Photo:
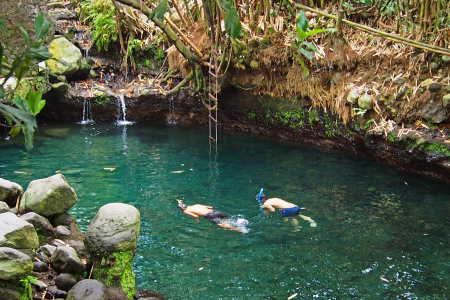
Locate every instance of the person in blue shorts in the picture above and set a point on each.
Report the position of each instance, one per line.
(287, 210)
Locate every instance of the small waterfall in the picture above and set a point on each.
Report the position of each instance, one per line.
(87, 113)
(171, 115)
(122, 111)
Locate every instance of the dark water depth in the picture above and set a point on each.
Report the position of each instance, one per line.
(381, 234)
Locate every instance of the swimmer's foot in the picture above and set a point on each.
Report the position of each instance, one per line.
(313, 224)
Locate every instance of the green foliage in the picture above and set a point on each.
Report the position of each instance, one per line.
(159, 11)
(21, 118)
(232, 23)
(313, 116)
(101, 16)
(26, 285)
(303, 47)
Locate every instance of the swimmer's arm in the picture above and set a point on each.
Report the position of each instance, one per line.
(192, 214)
(269, 207)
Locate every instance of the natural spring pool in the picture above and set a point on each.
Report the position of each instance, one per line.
(381, 234)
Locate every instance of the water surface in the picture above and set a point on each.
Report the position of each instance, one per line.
(381, 234)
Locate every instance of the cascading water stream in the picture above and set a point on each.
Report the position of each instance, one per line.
(122, 111)
(171, 117)
(87, 113)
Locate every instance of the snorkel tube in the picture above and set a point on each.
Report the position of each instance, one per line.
(259, 199)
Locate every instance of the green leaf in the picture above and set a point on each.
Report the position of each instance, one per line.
(232, 24)
(3, 28)
(25, 35)
(21, 103)
(159, 11)
(40, 53)
(227, 5)
(302, 22)
(305, 69)
(2, 92)
(301, 34)
(28, 132)
(35, 104)
(317, 31)
(310, 46)
(24, 116)
(41, 26)
(1, 58)
(308, 54)
(15, 130)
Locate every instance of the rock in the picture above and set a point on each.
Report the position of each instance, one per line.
(48, 196)
(446, 101)
(48, 250)
(66, 260)
(399, 80)
(65, 281)
(426, 83)
(10, 192)
(149, 294)
(62, 231)
(114, 228)
(4, 207)
(402, 92)
(10, 293)
(434, 87)
(352, 97)
(17, 233)
(61, 87)
(88, 289)
(14, 264)
(63, 50)
(115, 293)
(433, 112)
(446, 58)
(434, 65)
(42, 226)
(365, 102)
(39, 266)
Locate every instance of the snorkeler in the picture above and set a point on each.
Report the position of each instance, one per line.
(287, 209)
(217, 217)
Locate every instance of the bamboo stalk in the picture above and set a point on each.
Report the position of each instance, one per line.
(388, 36)
(174, 2)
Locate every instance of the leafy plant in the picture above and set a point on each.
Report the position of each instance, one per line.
(26, 285)
(303, 47)
(22, 117)
(101, 16)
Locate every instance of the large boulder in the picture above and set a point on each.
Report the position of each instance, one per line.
(43, 227)
(63, 50)
(10, 192)
(114, 228)
(48, 196)
(111, 242)
(14, 264)
(17, 233)
(88, 289)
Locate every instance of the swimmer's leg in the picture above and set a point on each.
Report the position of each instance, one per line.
(312, 223)
(294, 223)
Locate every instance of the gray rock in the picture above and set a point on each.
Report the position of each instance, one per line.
(352, 97)
(43, 227)
(10, 192)
(39, 266)
(62, 231)
(4, 207)
(433, 112)
(114, 228)
(88, 289)
(65, 281)
(14, 264)
(47, 250)
(446, 100)
(17, 233)
(434, 87)
(63, 50)
(365, 102)
(399, 80)
(48, 196)
(66, 260)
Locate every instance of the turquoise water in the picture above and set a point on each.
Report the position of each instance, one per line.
(381, 234)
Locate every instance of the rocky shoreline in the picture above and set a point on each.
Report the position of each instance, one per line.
(44, 255)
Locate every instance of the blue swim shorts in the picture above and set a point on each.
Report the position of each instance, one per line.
(290, 212)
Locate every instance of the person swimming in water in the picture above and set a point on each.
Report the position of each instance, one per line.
(215, 216)
(287, 209)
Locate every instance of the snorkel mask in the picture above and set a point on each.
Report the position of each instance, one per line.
(181, 205)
